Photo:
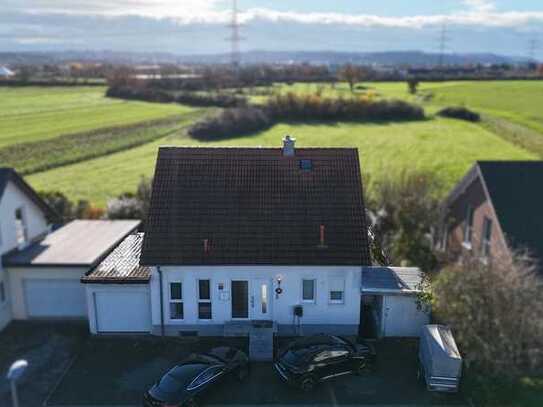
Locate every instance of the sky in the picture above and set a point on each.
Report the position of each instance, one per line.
(506, 27)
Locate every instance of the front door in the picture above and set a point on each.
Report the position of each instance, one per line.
(240, 299)
(261, 299)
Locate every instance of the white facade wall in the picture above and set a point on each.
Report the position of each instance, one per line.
(12, 199)
(5, 310)
(121, 310)
(401, 316)
(18, 275)
(319, 316)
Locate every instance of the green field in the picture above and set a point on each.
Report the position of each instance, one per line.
(512, 129)
(31, 113)
(446, 147)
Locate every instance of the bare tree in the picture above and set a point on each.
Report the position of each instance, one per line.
(495, 311)
(404, 214)
(351, 74)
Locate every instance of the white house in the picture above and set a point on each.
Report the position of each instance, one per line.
(236, 235)
(6, 73)
(23, 220)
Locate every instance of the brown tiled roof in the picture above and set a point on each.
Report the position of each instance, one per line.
(256, 206)
(122, 264)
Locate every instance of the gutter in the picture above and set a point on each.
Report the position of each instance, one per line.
(161, 301)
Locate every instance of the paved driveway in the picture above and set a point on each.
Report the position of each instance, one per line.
(48, 348)
(117, 371)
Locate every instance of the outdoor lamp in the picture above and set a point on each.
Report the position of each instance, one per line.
(15, 372)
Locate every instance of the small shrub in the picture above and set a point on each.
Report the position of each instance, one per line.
(231, 123)
(461, 113)
(125, 208)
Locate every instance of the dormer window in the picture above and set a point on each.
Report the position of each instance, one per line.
(21, 229)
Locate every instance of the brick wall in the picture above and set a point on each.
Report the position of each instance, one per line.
(474, 196)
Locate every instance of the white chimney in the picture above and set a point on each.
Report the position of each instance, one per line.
(288, 146)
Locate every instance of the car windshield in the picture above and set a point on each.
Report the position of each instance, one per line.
(208, 359)
(343, 341)
(296, 356)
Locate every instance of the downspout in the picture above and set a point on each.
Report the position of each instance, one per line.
(161, 301)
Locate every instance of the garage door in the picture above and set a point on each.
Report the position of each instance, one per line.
(402, 316)
(122, 311)
(52, 298)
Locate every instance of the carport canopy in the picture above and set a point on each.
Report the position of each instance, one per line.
(391, 280)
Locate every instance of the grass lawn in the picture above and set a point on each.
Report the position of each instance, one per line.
(445, 147)
(30, 114)
(518, 101)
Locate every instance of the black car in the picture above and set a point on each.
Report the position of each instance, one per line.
(183, 383)
(309, 360)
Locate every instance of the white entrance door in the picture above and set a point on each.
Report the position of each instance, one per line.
(261, 299)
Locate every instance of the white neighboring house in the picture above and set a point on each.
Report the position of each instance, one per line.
(6, 73)
(23, 220)
(237, 235)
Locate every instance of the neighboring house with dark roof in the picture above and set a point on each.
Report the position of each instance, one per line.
(23, 219)
(496, 208)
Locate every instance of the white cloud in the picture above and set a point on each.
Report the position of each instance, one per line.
(480, 5)
(477, 13)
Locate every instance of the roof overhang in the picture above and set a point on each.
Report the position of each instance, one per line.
(391, 280)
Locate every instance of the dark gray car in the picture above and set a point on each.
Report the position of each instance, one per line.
(182, 385)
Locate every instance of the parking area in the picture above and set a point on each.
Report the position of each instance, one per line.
(49, 349)
(116, 371)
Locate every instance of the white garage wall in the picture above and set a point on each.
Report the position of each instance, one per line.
(18, 275)
(319, 314)
(401, 316)
(118, 291)
(5, 308)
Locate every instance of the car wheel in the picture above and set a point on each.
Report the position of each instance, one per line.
(242, 373)
(361, 368)
(190, 403)
(307, 383)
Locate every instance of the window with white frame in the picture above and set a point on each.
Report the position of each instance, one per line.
(21, 230)
(336, 291)
(2, 292)
(176, 300)
(308, 290)
(487, 236)
(204, 299)
(468, 226)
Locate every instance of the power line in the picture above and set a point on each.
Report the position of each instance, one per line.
(235, 37)
(533, 47)
(443, 41)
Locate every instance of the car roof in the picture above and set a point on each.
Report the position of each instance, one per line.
(185, 373)
(318, 341)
